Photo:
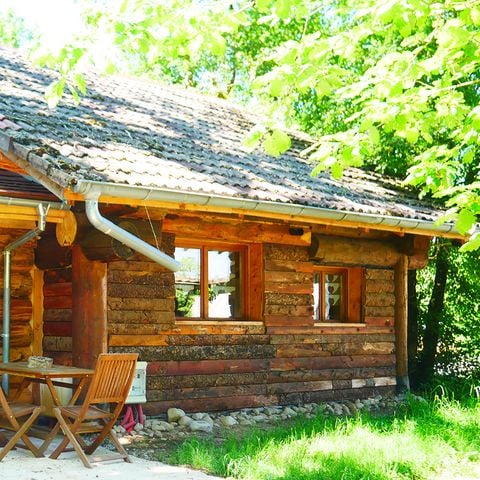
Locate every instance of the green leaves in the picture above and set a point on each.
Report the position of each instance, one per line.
(465, 220)
(393, 84)
(54, 92)
(453, 35)
(276, 142)
(472, 244)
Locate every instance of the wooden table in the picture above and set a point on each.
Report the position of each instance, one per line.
(49, 376)
(52, 377)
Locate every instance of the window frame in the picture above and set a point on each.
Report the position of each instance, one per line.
(205, 247)
(352, 295)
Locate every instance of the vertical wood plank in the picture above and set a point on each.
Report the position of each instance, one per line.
(355, 295)
(255, 274)
(37, 322)
(37, 314)
(89, 312)
(401, 321)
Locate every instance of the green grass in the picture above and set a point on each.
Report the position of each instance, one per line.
(423, 440)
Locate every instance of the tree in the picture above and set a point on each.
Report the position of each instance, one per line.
(14, 32)
(393, 84)
(448, 312)
(433, 314)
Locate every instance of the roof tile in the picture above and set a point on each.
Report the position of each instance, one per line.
(137, 132)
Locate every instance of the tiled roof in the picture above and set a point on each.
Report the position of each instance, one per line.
(20, 186)
(137, 132)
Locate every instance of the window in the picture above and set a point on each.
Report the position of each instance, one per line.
(337, 294)
(209, 284)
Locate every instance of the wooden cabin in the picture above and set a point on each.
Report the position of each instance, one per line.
(240, 279)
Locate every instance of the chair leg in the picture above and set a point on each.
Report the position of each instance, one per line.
(108, 433)
(69, 437)
(119, 447)
(21, 434)
(107, 427)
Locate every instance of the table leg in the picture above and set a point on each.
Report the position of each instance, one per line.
(25, 383)
(78, 390)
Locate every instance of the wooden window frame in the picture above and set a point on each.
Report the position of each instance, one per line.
(205, 247)
(352, 294)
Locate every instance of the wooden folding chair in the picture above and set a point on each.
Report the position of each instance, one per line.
(104, 400)
(18, 418)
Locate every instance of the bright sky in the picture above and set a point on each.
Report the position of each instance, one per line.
(56, 20)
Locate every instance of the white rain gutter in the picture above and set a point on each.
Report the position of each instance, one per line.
(89, 188)
(30, 235)
(114, 231)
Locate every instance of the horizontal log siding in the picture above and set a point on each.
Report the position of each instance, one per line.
(379, 308)
(141, 295)
(57, 314)
(228, 365)
(22, 259)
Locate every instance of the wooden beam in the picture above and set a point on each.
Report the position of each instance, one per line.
(17, 224)
(353, 251)
(30, 214)
(66, 231)
(18, 154)
(89, 312)
(98, 246)
(188, 227)
(7, 164)
(401, 322)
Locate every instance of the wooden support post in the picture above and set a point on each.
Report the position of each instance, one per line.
(89, 312)
(401, 322)
(37, 322)
(37, 314)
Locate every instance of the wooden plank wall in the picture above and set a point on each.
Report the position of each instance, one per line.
(201, 366)
(57, 316)
(22, 259)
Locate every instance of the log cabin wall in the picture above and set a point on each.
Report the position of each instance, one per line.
(206, 366)
(57, 314)
(379, 297)
(315, 362)
(21, 291)
(140, 297)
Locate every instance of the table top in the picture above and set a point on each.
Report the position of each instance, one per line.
(55, 371)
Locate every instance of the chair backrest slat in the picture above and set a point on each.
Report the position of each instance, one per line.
(113, 377)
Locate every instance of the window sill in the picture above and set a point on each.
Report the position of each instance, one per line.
(181, 321)
(339, 324)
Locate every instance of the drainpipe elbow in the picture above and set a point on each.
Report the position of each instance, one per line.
(118, 233)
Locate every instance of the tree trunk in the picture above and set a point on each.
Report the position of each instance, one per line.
(434, 314)
(412, 343)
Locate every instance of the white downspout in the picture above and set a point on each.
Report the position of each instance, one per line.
(6, 285)
(114, 231)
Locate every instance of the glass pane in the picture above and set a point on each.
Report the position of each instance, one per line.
(333, 297)
(224, 298)
(317, 279)
(187, 282)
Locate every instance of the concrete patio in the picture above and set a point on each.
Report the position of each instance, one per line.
(22, 465)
